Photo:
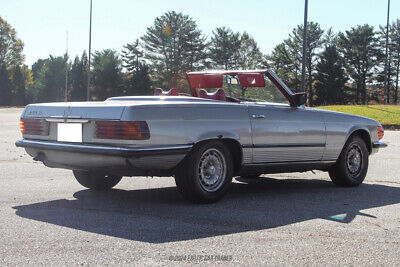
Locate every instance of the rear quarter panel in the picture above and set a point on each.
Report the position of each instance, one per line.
(191, 123)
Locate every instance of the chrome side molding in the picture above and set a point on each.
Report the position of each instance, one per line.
(258, 116)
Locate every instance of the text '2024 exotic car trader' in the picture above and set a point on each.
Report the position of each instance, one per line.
(203, 140)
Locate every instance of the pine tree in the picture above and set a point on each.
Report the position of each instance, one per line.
(28, 80)
(314, 44)
(132, 56)
(173, 46)
(19, 87)
(5, 88)
(359, 47)
(286, 65)
(107, 74)
(395, 44)
(250, 56)
(79, 78)
(224, 48)
(50, 82)
(330, 78)
(138, 82)
(195, 49)
(37, 67)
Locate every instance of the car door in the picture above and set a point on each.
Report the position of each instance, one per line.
(282, 133)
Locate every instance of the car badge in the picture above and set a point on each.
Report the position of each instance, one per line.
(67, 111)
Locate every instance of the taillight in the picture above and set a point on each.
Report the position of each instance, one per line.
(34, 127)
(381, 132)
(123, 130)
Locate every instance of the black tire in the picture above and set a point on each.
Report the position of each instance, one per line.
(96, 180)
(205, 174)
(352, 165)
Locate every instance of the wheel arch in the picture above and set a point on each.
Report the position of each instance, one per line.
(234, 147)
(364, 134)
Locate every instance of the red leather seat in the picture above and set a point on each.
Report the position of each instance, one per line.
(171, 92)
(217, 95)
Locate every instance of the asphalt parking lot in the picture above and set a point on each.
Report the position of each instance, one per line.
(47, 218)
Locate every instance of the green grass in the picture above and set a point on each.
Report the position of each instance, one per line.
(385, 114)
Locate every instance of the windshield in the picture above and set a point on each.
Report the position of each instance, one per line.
(253, 92)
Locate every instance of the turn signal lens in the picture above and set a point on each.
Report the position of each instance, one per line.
(381, 132)
(34, 127)
(122, 130)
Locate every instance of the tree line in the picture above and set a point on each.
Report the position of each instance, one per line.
(342, 68)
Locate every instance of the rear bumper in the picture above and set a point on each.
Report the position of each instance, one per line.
(92, 156)
(104, 150)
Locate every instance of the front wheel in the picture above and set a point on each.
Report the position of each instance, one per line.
(352, 165)
(96, 180)
(206, 173)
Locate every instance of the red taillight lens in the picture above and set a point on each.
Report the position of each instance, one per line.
(381, 132)
(123, 130)
(34, 127)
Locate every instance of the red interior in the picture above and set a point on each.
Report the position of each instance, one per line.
(171, 92)
(217, 95)
(205, 81)
(251, 79)
(199, 80)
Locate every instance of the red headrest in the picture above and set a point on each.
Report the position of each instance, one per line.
(217, 95)
(171, 92)
(204, 81)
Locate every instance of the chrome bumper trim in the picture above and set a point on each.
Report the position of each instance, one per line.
(104, 150)
(379, 144)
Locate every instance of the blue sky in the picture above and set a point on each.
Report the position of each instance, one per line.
(42, 24)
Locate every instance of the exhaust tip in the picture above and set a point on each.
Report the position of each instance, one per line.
(39, 157)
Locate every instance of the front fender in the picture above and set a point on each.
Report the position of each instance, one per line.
(357, 128)
(365, 134)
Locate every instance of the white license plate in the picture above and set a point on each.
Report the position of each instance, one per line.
(69, 132)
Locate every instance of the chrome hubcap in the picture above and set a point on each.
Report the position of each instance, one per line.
(354, 159)
(212, 170)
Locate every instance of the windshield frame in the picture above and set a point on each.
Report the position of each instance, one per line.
(279, 84)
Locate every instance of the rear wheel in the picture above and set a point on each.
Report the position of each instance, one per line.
(96, 180)
(352, 165)
(206, 173)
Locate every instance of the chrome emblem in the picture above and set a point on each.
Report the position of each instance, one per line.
(67, 111)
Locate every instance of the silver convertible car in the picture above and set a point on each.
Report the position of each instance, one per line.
(234, 123)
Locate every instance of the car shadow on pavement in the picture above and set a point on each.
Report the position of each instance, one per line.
(161, 215)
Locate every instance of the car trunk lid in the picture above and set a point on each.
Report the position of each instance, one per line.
(75, 110)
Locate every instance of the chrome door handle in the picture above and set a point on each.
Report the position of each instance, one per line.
(258, 116)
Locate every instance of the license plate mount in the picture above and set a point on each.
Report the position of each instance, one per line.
(69, 132)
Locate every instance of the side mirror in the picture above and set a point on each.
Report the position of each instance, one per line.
(300, 99)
